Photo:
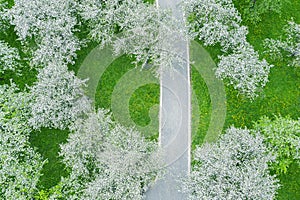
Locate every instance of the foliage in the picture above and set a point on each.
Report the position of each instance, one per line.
(57, 98)
(218, 22)
(107, 161)
(3, 24)
(149, 34)
(153, 36)
(48, 194)
(244, 70)
(235, 167)
(48, 24)
(255, 9)
(20, 165)
(289, 45)
(14, 107)
(215, 21)
(282, 138)
(8, 58)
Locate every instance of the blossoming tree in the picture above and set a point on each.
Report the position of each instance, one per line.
(235, 167)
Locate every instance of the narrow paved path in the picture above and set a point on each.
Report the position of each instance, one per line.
(175, 121)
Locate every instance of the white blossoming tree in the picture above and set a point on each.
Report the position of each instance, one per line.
(107, 161)
(50, 24)
(8, 58)
(218, 22)
(20, 165)
(47, 28)
(215, 21)
(282, 138)
(57, 98)
(244, 70)
(102, 18)
(289, 45)
(235, 167)
(14, 107)
(3, 24)
(151, 34)
(147, 32)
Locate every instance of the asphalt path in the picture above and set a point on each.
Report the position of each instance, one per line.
(174, 120)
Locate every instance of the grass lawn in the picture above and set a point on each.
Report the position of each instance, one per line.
(281, 95)
(109, 79)
(201, 91)
(141, 101)
(47, 143)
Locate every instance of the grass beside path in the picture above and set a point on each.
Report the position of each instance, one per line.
(280, 96)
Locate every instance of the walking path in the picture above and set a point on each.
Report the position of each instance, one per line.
(175, 121)
(175, 106)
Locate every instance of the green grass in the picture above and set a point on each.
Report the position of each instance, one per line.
(141, 101)
(47, 143)
(290, 184)
(279, 97)
(28, 76)
(201, 91)
(109, 79)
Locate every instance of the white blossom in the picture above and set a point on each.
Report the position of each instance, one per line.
(3, 19)
(215, 21)
(151, 34)
(51, 24)
(107, 161)
(9, 58)
(148, 33)
(290, 44)
(102, 18)
(235, 167)
(244, 70)
(20, 165)
(57, 98)
(218, 22)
